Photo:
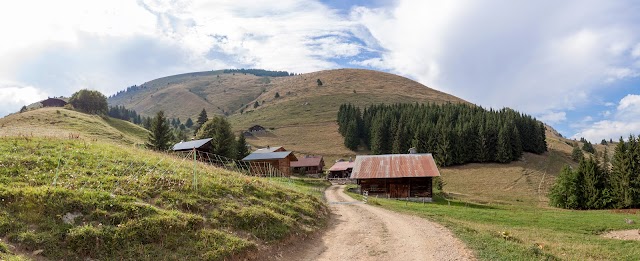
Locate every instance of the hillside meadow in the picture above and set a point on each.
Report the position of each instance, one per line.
(75, 199)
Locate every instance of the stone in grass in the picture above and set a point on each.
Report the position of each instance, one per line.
(70, 218)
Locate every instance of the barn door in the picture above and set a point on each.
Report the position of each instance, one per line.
(399, 190)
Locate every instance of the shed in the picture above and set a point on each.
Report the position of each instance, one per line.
(280, 160)
(341, 170)
(396, 175)
(53, 102)
(308, 165)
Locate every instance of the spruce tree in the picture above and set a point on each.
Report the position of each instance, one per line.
(503, 152)
(202, 117)
(351, 139)
(219, 130)
(188, 123)
(620, 178)
(576, 154)
(160, 136)
(241, 148)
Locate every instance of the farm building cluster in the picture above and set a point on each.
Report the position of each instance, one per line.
(407, 176)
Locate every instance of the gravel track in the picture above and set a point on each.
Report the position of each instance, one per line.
(362, 232)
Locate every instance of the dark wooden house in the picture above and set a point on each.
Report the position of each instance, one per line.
(261, 161)
(308, 165)
(53, 102)
(396, 175)
(341, 170)
(257, 128)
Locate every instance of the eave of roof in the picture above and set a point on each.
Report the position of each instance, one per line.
(270, 156)
(189, 145)
(342, 165)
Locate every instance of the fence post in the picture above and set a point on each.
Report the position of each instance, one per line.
(365, 196)
(195, 176)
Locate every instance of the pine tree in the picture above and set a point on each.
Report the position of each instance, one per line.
(566, 191)
(576, 154)
(241, 148)
(160, 136)
(593, 185)
(351, 140)
(503, 152)
(202, 117)
(188, 123)
(219, 130)
(516, 144)
(620, 178)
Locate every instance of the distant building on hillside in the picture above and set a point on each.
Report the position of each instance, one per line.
(257, 128)
(396, 175)
(270, 149)
(53, 102)
(308, 165)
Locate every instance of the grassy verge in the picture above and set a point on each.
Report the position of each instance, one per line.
(75, 200)
(515, 232)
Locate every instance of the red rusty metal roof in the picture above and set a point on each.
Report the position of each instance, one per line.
(342, 165)
(394, 166)
(307, 162)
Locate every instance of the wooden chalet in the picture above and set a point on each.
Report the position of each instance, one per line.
(308, 165)
(53, 102)
(279, 159)
(397, 175)
(257, 128)
(341, 170)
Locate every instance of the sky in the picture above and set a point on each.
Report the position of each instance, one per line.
(572, 64)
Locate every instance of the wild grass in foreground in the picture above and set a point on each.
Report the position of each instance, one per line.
(72, 200)
(506, 232)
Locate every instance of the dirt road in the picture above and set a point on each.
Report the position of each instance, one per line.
(362, 232)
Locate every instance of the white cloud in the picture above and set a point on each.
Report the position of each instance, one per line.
(553, 117)
(14, 96)
(625, 121)
(500, 53)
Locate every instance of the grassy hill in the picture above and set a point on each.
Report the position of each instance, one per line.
(63, 123)
(303, 119)
(81, 200)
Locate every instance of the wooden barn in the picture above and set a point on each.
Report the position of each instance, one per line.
(203, 145)
(257, 129)
(280, 160)
(396, 175)
(308, 165)
(53, 102)
(341, 170)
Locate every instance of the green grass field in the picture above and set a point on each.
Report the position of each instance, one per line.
(521, 232)
(121, 202)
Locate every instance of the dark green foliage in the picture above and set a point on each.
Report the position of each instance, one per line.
(88, 101)
(454, 133)
(256, 104)
(587, 146)
(277, 95)
(188, 123)
(241, 148)
(160, 137)
(202, 117)
(259, 72)
(595, 186)
(223, 141)
(576, 154)
(120, 112)
(603, 142)
(319, 82)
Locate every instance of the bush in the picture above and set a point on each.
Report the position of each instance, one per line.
(88, 101)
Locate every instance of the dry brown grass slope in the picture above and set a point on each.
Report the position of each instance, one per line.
(186, 95)
(63, 123)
